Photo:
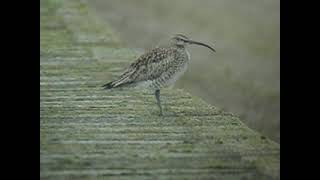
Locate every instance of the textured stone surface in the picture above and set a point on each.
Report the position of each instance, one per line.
(90, 133)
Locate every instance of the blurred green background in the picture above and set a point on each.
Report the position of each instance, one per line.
(243, 76)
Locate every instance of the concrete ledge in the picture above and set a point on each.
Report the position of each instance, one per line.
(89, 133)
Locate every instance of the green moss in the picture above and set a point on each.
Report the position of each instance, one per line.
(86, 129)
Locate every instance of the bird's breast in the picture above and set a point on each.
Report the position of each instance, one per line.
(177, 69)
(178, 73)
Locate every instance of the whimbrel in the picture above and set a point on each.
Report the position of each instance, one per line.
(158, 68)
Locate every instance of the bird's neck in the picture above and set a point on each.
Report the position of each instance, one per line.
(180, 47)
(182, 50)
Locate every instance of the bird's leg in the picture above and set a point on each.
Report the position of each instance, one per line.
(157, 94)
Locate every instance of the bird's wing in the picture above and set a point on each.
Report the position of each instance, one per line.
(154, 64)
(149, 66)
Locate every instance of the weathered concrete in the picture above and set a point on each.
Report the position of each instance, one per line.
(90, 133)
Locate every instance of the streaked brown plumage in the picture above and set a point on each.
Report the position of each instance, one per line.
(158, 68)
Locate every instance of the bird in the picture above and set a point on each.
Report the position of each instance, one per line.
(158, 68)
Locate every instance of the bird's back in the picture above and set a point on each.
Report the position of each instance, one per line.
(157, 68)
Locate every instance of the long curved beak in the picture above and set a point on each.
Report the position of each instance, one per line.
(201, 44)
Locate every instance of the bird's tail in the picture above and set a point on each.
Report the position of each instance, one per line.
(124, 80)
(117, 83)
(108, 85)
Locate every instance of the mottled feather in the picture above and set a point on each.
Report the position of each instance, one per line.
(158, 68)
(147, 67)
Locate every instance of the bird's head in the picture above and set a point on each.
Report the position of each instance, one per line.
(181, 40)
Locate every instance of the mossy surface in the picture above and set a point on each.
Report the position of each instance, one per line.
(90, 133)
